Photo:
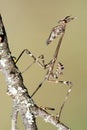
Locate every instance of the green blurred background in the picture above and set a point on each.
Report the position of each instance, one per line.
(28, 24)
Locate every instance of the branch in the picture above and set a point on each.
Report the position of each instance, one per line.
(15, 86)
(22, 102)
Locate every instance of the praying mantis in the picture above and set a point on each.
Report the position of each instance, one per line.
(50, 75)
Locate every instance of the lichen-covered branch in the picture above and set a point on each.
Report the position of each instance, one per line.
(15, 87)
(22, 102)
